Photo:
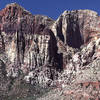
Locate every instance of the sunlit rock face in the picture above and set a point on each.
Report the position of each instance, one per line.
(47, 52)
(26, 39)
(31, 41)
(77, 27)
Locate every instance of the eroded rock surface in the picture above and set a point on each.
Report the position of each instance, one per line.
(26, 39)
(64, 54)
(77, 27)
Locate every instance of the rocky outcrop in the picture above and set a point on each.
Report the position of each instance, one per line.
(3, 80)
(80, 78)
(77, 27)
(26, 39)
(64, 54)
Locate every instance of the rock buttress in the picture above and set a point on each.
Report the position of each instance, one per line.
(77, 27)
(27, 40)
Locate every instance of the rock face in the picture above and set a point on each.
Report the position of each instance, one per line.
(48, 52)
(80, 78)
(77, 27)
(26, 39)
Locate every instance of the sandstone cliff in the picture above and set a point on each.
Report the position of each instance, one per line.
(64, 53)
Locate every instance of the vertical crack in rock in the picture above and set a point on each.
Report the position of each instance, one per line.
(48, 52)
(76, 27)
(28, 41)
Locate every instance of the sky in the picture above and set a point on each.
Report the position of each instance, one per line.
(53, 8)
